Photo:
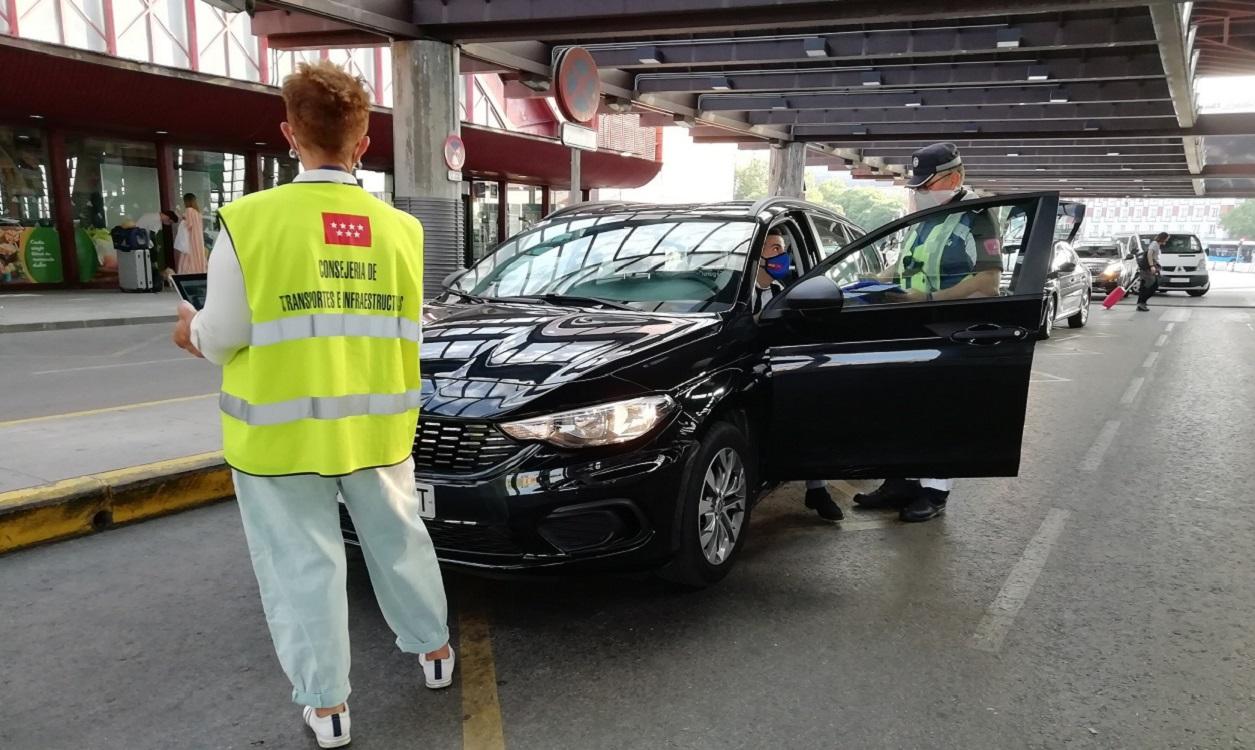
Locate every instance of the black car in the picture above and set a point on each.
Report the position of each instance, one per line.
(600, 393)
(1109, 263)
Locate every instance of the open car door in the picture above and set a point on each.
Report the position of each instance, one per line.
(869, 379)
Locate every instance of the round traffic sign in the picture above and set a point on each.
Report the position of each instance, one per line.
(454, 153)
(577, 85)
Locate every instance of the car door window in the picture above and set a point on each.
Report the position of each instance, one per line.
(1062, 256)
(963, 249)
(1195, 246)
(831, 235)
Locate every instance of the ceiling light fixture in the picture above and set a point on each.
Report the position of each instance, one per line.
(1113, 153)
(37, 117)
(816, 46)
(163, 132)
(1008, 38)
(720, 83)
(648, 56)
(1038, 73)
(871, 78)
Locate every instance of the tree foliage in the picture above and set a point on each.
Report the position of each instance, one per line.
(751, 181)
(866, 207)
(1240, 222)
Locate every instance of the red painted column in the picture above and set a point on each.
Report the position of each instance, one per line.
(62, 210)
(263, 58)
(11, 13)
(193, 46)
(166, 189)
(111, 34)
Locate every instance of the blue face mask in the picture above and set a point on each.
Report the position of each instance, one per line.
(778, 267)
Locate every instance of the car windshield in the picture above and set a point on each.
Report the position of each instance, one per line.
(1099, 251)
(1177, 243)
(658, 262)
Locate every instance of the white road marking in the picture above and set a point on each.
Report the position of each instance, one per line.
(1163, 339)
(120, 364)
(1093, 459)
(1037, 376)
(1168, 328)
(1000, 615)
(1135, 386)
(1150, 360)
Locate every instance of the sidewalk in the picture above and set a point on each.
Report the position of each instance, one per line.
(83, 308)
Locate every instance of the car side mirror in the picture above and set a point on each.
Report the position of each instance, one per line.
(816, 296)
(1067, 267)
(1130, 256)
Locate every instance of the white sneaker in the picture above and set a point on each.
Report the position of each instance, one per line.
(330, 731)
(438, 672)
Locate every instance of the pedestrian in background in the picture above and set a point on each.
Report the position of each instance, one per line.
(314, 310)
(189, 240)
(1148, 270)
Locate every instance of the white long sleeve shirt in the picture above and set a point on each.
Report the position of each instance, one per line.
(224, 326)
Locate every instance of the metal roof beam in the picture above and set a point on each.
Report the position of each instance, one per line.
(1031, 34)
(980, 114)
(1105, 162)
(1110, 91)
(562, 20)
(990, 150)
(1206, 125)
(1103, 66)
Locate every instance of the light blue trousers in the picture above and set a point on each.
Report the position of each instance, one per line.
(293, 529)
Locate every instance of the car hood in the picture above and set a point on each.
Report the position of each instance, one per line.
(484, 360)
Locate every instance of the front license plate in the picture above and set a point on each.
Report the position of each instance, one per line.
(426, 500)
(1178, 279)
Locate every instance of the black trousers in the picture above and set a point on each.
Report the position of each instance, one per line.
(1150, 282)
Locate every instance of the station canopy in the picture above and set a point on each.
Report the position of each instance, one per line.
(1088, 97)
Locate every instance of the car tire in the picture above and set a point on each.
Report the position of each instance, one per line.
(711, 508)
(1081, 317)
(1198, 292)
(1047, 326)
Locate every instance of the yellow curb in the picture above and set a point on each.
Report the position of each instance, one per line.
(83, 505)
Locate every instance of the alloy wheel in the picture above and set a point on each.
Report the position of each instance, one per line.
(721, 509)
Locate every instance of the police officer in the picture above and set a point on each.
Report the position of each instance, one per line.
(313, 310)
(956, 255)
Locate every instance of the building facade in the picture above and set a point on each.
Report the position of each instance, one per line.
(1105, 217)
(115, 109)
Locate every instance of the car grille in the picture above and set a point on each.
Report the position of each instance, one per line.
(472, 539)
(449, 447)
(450, 537)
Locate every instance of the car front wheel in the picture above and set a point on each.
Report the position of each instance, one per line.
(717, 493)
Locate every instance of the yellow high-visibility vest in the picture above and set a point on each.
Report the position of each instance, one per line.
(329, 383)
(924, 258)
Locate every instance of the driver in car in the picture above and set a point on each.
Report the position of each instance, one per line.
(775, 270)
(953, 256)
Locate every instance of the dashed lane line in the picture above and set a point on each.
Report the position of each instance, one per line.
(1159, 342)
(115, 365)
(1150, 360)
(1000, 615)
(1168, 328)
(1130, 394)
(1093, 459)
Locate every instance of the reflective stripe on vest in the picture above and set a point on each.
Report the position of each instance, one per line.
(330, 382)
(932, 251)
(318, 407)
(334, 324)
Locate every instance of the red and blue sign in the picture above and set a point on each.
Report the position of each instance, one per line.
(577, 85)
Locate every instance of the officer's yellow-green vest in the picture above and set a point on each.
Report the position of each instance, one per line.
(329, 383)
(925, 257)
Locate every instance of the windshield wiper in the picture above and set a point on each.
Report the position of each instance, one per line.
(467, 295)
(566, 299)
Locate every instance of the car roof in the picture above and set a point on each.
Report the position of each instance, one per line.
(766, 209)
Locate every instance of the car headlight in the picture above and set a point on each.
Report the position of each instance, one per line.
(606, 424)
(1112, 270)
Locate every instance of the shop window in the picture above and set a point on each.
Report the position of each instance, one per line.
(214, 178)
(485, 203)
(523, 207)
(559, 199)
(30, 250)
(278, 170)
(112, 183)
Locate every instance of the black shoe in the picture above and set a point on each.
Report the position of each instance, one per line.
(822, 503)
(894, 493)
(928, 505)
(1143, 308)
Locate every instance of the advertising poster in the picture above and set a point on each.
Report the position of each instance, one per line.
(30, 255)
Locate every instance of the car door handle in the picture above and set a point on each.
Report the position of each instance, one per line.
(989, 335)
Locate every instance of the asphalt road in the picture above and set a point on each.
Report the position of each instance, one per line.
(1103, 599)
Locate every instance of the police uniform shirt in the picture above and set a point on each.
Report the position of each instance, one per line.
(957, 261)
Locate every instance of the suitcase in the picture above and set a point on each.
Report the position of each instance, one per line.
(1114, 298)
(135, 267)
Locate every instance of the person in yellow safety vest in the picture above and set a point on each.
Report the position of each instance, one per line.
(956, 255)
(314, 311)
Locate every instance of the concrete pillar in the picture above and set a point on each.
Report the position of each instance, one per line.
(787, 170)
(424, 114)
